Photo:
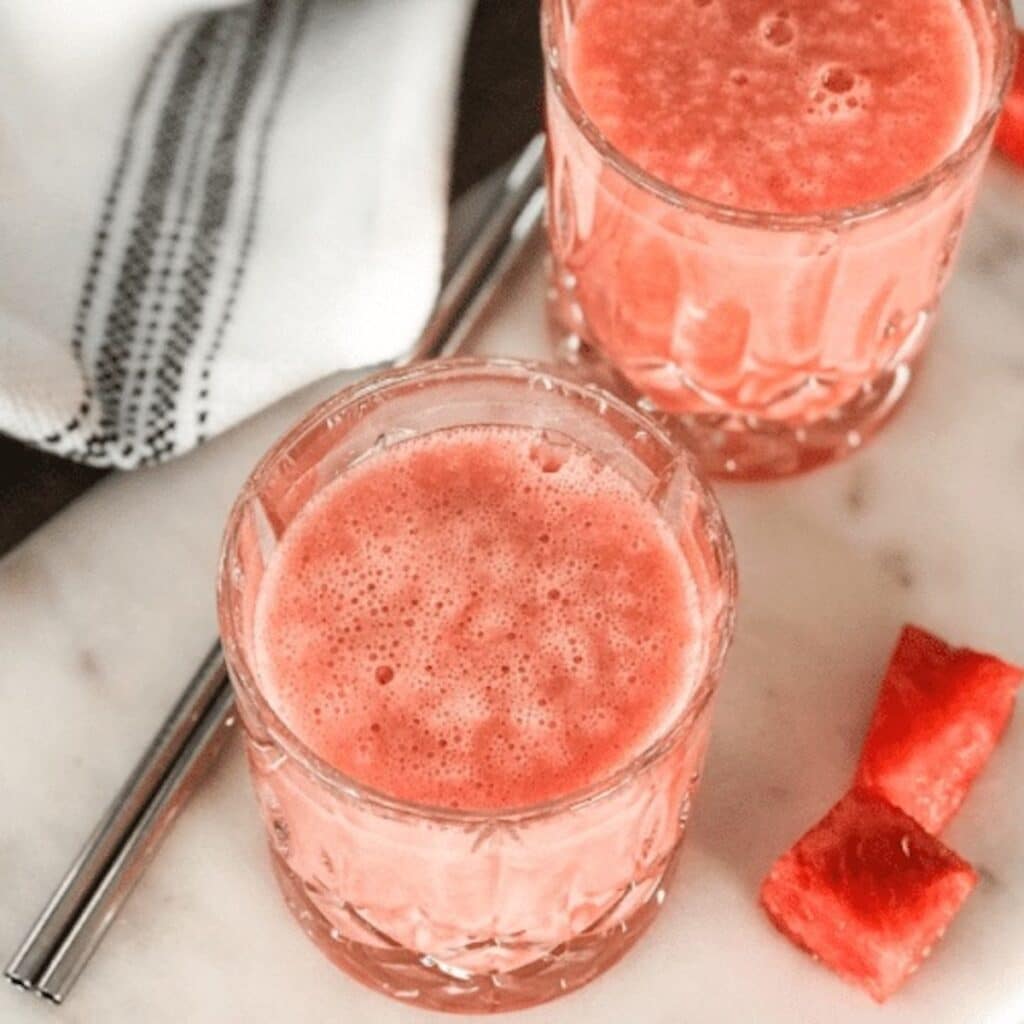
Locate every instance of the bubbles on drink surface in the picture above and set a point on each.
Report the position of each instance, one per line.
(791, 107)
(838, 93)
(467, 619)
(777, 30)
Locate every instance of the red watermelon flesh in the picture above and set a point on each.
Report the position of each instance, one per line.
(938, 718)
(867, 891)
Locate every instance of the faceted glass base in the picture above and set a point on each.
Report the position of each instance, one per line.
(419, 980)
(747, 447)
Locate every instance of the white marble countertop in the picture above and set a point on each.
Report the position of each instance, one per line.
(107, 609)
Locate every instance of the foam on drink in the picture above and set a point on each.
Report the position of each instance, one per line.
(778, 105)
(480, 617)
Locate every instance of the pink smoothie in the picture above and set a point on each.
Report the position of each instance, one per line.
(778, 105)
(477, 618)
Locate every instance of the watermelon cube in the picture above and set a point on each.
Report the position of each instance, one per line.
(938, 718)
(867, 891)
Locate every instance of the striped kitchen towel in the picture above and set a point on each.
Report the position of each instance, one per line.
(205, 207)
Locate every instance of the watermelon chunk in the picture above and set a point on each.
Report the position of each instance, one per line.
(868, 891)
(938, 718)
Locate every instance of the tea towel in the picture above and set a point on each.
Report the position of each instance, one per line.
(205, 207)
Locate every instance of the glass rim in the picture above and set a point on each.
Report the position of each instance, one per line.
(835, 218)
(342, 783)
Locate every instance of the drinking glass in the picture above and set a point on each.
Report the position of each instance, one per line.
(474, 910)
(775, 341)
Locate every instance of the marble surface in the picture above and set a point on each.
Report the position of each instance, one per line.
(106, 610)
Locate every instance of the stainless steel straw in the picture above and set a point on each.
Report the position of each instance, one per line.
(74, 920)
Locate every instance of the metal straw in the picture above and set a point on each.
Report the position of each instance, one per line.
(31, 961)
(77, 915)
(200, 749)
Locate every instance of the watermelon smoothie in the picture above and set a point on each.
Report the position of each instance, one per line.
(464, 620)
(754, 206)
(474, 615)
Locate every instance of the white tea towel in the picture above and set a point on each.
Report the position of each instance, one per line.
(205, 207)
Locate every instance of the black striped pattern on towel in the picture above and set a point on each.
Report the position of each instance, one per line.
(175, 230)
